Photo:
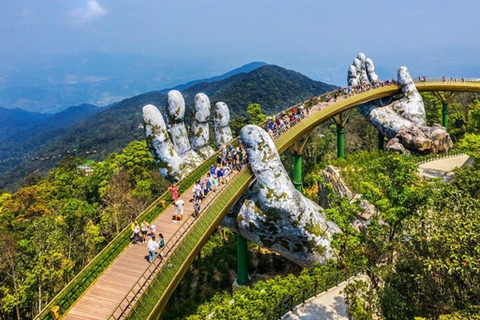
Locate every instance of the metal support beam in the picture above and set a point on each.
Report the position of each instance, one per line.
(445, 115)
(341, 122)
(242, 261)
(381, 141)
(297, 171)
(445, 99)
(340, 142)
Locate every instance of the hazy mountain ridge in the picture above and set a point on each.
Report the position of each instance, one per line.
(112, 128)
(50, 83)
(18, 124)
(243, 69)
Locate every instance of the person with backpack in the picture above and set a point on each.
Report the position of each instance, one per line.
(196, 209)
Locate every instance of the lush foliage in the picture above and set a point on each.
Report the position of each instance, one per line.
(211, 276)
(421, 250)
(463, 113)
(252, 303)
(51, 228)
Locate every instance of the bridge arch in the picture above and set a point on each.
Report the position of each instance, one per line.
(148, 297)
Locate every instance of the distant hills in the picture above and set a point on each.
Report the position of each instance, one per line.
(110, 129)
(243, 69)
(17, 125)
(50, 83)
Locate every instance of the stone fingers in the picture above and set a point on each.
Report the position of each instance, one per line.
(352, 78)
(411, 105)
(372, 75)
(200, 131)
(362, 71)
(178, 131)
(221, 129)
(164, 153)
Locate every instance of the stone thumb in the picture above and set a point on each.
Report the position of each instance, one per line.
(275, 187)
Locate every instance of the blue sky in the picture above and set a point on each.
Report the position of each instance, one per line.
(318, 38)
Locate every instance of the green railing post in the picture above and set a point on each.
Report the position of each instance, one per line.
(297, 171)
(340, 142)
(445, 115)
(381, 140)
(242, 261)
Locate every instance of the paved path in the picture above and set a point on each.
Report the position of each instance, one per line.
(443, 167)
(327, 305)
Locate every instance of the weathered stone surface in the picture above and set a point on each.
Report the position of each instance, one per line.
(403, 119)
(421, 140)
(395, 145)
(178, 132)
(333, 182)
(177, 159)
(199, 131)
(372, 75)
(410, 106)
(221, 129)
(166, 157)
(274, 214)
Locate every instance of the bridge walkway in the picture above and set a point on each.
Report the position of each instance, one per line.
(105, 297)
(110, 288)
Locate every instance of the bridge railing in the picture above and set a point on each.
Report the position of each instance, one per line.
(310, 290)
(77, 286)
(177, 255)
(434, 157)
(143, 296)
(447, 79)
(137, 292)
(82, 281)
(85, 278)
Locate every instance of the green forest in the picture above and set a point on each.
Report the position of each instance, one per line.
(420, 253)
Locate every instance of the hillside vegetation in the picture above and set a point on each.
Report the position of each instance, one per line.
(110, 130)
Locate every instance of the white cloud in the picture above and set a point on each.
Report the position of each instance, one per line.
(92, 11)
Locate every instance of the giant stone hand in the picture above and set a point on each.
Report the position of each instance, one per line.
(404, 120)
(175, 160)
(273, 213)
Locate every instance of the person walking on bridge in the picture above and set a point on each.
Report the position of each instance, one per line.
(179, 210)
(152, 247)
(174, 189)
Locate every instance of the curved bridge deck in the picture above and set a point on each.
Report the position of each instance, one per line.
(131, 288)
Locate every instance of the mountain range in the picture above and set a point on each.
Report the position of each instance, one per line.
(99, 131)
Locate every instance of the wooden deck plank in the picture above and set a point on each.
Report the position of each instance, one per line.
(107, 292)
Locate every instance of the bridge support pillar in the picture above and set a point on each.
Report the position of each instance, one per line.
(340, 141)
(445, 114)
(445, 98)
(297, 171)
(242, 263)
(341, 121)
(381, 141)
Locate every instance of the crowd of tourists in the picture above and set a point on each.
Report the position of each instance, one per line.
(145, 232)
